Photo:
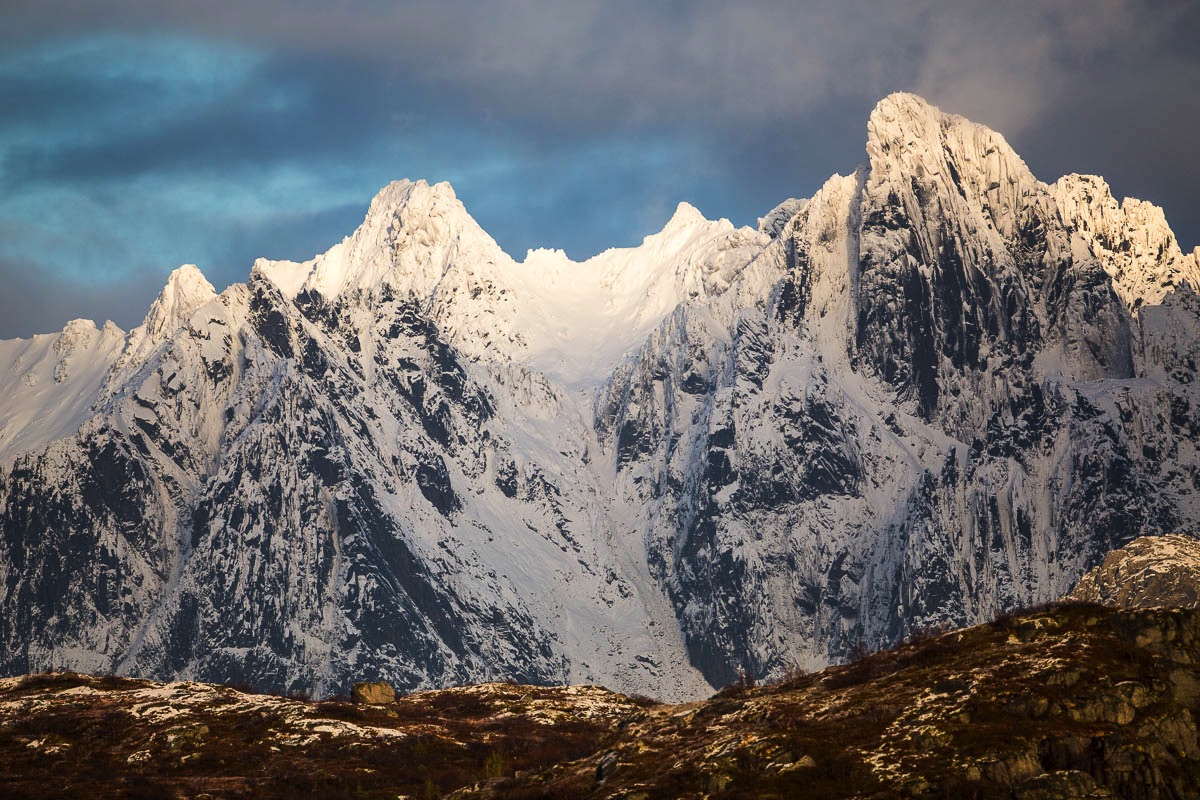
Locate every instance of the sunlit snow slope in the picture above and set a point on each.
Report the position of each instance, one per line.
(936, 389)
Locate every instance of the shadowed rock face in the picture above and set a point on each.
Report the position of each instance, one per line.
(1148, 572)
(936, 389)
(1070, 702)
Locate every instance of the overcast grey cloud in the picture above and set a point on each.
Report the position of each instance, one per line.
(156, 132)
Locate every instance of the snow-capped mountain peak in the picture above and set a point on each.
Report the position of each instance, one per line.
(49, 382)
(982, 180)
(685, 215)
(185, 291)
(954, 169)
(413, 233)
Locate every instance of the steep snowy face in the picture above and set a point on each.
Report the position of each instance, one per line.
(945, 168)
(578, 320)
(1001, 328)
(918, 397)
(1013, 339)
(940, 293)
(49, 383)
(186, 291)
(969, 282)
(737, 457)
(780, 215)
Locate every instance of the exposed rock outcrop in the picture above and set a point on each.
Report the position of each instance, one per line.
(375, 693)
(1149, 571)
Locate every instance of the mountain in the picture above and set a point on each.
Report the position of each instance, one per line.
(934, 390)
(1070, 702)
(1149, 572)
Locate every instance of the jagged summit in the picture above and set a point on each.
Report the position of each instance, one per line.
(685, 214)
(48, 383)
(412, 234)
(945, 166)
(185, 291)
(406, 193)
(1131, 239)
(407, 207)
(970, 173)
(904, 122)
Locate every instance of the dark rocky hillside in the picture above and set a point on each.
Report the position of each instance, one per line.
(1071, 701)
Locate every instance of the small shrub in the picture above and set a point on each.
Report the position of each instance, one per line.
(642, 700)
(857, 652)
(493, 765)
(743, 683)
(927, 632)
(792, 676)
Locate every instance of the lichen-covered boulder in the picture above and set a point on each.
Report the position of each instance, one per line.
(375, 693)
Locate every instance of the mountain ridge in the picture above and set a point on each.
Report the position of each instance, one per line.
(918, 400)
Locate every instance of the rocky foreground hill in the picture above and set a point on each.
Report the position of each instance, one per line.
(1071, 701)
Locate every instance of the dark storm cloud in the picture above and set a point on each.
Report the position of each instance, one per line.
(623, 62)
(281, 109)
(220, 131)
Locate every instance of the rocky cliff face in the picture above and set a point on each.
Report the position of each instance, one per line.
(939, 408)
(935, 390)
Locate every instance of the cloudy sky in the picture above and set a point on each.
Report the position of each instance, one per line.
(136, 135)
